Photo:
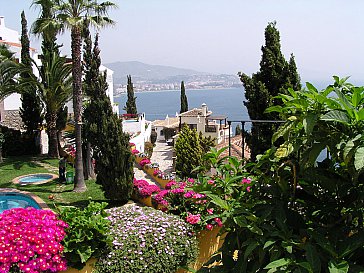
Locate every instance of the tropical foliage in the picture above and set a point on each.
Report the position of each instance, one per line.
(305, 211)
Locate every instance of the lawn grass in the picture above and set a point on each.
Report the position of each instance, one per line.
(60, 193)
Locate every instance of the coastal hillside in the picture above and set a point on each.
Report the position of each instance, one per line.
(147, 77)
(143, 71)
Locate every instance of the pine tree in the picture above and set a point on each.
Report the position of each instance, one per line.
(31, 111)
(274, 77)
(190, 148)
(114, 161)
(184, 102)
(130, 106)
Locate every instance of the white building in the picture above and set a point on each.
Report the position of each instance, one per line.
(203, 121)
(138, 128)
(160, 125)
(11, 38)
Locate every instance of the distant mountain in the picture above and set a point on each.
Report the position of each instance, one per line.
(147, 72)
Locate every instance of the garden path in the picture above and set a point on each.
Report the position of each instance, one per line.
(162, 154)
(45, 165)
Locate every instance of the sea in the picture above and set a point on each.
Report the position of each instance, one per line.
(159, 104)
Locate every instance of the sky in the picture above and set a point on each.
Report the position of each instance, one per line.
(225, 36)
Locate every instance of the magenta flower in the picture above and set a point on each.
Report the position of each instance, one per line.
(209, 226)
(193, 219)
(246, 181)
(211, 182)
(30, 241)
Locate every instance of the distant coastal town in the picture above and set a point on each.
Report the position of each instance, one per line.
(174, 83)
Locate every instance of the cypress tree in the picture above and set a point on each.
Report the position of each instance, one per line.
(114, 161)
(31, 110)
(130, 106)
(184, 102)
(274, 77)
(238, 130)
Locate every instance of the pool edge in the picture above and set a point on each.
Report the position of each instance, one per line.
(17, 182)
(36, 198)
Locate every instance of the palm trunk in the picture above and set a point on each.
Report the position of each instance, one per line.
(1, 154)
(90, 168)
(79, 181)
(52, 135)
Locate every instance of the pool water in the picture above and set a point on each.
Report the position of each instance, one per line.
(10, 200)
(34, 178)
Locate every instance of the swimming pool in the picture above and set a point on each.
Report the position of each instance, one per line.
(32, 179)
(10, 200)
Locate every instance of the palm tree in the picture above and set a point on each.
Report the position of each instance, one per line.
(72, 14)
(7, 71)
(54, 89)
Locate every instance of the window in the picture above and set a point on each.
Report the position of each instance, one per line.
(192, 126)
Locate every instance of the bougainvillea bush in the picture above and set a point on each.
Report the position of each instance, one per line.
(147, 240)
(143, 189)
(30, 241)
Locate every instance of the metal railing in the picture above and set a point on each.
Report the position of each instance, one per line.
(242, 122)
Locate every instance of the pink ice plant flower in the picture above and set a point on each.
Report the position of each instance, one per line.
(30, 240)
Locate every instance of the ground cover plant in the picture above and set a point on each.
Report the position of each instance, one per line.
(306, 211)
(147, 240)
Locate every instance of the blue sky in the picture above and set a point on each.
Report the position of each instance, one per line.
(225, 36)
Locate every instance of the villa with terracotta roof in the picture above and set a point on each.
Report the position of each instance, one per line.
(160, 125)
(203, 121)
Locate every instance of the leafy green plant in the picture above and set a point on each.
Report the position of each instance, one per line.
(87, 232)
(306, 212)
(147, 240)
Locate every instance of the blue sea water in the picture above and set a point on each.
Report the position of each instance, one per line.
(156, 105)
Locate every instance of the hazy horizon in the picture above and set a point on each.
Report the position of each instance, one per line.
(225, 37)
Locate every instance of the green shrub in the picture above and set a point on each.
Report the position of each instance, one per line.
(153, 137)
(148, 148)
(147, 240)
(87, 232)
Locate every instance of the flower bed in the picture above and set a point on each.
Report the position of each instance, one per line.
(143, 191)
(147, 240)
(31, 241)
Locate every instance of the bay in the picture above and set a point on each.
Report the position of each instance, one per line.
(159, 104)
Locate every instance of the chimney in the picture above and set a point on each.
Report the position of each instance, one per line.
(204, 109)
(2, 22)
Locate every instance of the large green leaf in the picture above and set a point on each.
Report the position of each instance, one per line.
(311, 87)
(336, 115)
(342, 267)
(312, 257)
(309, 122)
(218, 201)
(359, 158)
(278, 263)
(282, 131)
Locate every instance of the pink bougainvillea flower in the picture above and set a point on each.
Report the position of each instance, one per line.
(193, 218)
(209, 226)
(218, 222)
(211, 182)
(210, 211)
(249, 189)
(246, 181)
